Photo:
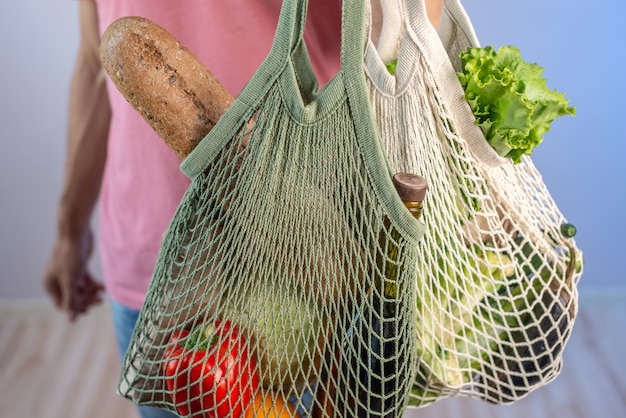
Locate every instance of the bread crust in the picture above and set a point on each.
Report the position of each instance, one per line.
(171, 89)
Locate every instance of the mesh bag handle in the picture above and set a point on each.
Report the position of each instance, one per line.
(498, 270)
(456, 31)
(391, 30)
(269, 285)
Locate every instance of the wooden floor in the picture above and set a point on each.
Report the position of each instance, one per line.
(52, 369)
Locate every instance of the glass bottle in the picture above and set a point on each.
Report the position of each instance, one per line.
(373, 350)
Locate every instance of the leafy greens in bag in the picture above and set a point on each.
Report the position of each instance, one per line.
(510, 99)
(494, 320)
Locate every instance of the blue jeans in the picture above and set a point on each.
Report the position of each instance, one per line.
(124, 319)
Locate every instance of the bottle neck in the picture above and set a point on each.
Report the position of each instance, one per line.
(415, 208)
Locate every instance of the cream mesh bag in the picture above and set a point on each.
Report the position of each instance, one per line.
(268, 295)
(498, 267)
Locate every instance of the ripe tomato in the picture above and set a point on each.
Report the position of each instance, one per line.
(209, 372)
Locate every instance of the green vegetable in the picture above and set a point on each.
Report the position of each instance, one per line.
(445, 310)
(568, 230)
(510, 99)
(488, 329)
(391, 66)
(288, 333)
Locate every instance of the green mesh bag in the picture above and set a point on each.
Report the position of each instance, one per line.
(498, 266)
(267, 296)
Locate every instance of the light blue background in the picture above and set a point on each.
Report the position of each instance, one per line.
(580, 45)
(583, 158)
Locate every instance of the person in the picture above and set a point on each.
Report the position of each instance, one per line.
(115, 159)
(116, 162)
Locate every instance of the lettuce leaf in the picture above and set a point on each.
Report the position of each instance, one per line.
(510, 99)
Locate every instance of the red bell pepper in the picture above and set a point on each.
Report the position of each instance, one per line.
(209, 371)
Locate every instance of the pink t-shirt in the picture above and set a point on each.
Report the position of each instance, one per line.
(143, 184)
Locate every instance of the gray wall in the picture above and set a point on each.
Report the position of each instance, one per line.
(582, 158)
(39, 43)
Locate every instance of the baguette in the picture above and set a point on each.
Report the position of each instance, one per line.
(173, 91)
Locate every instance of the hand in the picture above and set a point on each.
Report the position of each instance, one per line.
(66, 279)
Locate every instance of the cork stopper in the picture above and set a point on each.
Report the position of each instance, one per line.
(410, 187)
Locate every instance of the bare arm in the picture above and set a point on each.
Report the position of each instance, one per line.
(434, 9)
(66, 279)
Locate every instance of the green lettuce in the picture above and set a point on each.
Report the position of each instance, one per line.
(510, 99)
